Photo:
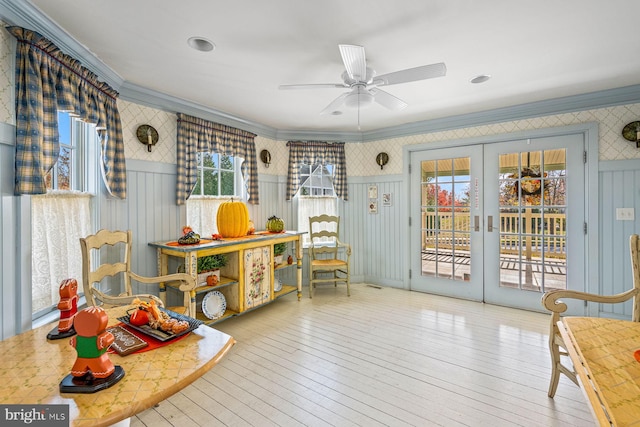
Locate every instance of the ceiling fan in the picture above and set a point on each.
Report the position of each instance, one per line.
(364, 83)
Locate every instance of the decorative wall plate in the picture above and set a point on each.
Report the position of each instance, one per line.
(214, 305)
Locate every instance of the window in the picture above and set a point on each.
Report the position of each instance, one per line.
(66, 173)
(63, 215)
(316, 180)
(316, 195)
(219, 175)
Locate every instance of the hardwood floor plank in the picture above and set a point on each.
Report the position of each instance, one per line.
(403, 378)
(380, 357)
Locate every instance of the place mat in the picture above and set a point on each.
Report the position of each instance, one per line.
(152, 342)
(202, 241)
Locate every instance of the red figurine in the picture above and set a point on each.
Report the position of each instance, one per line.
(68, 307)
(91, 343)
(68, 304)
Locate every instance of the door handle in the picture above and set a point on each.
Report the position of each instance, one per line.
(490, 223)
(476, 223)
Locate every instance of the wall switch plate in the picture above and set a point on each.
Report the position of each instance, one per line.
(625, 214)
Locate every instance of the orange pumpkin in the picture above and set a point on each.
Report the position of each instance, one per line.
(233, 219)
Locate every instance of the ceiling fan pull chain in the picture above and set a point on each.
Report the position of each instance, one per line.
(359, 111)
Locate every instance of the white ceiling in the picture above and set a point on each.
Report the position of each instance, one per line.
(534, 50)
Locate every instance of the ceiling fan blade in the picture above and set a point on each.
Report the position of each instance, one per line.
(335, 104)
(354, 61)
(387, 100)
(313, 86)
(411, 74)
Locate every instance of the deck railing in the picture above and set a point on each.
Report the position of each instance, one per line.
(529, 232)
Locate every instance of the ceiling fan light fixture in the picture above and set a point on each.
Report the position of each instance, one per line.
(480, 79)
(201, 44)
(358, 98)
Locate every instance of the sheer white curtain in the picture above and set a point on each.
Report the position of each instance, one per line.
(201, 214)
(58, 220)
(314, 206)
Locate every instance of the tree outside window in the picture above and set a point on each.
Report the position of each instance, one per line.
(63, 175)
(217, 175)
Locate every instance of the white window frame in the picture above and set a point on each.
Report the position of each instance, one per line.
(76, 147)
(202, 209)
(84, 178)
(238, 181)
(316, 196)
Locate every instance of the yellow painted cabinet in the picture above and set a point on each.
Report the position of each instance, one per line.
(246, 282)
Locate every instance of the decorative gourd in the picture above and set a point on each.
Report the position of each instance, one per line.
(233, 219)
(275, 224)
(190, 238)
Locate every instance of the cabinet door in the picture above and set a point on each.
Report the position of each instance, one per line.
(257, 276)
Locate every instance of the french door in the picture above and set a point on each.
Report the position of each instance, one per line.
(501, 222)
(446, 211)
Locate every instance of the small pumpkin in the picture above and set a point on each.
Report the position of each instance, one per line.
(275, 224)
(232, 219)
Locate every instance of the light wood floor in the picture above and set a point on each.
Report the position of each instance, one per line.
(380, 357)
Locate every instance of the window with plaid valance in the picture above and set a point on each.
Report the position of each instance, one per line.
(314, 152)
(198, 135)
(48, 80)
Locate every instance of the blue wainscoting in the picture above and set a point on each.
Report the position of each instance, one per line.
(619, 183)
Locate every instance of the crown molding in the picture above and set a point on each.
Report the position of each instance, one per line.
(150, 98)
(24, 14)
(567, 104)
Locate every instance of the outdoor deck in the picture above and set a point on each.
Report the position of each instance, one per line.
(555, 270)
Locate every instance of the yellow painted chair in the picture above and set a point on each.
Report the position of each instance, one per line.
(327, 254)
(93, 274)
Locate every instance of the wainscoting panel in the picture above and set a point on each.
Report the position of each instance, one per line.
(272, 190)
(8, 234)
(272, 202)
(619, 188)
(376, 241)
(149, 211)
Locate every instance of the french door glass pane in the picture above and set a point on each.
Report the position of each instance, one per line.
(532, 204)
(445, 222)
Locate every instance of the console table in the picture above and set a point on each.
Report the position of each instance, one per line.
(247, 281)
(33, 367)
(602, 353)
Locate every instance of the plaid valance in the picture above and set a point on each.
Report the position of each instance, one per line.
(48, 80)
(199, 135)
(311, 153)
